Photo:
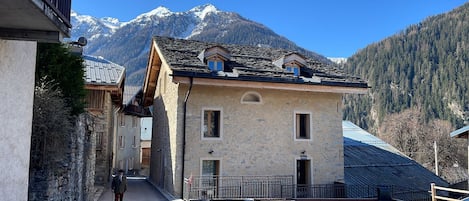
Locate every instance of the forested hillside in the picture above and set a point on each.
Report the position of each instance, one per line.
(419, 89)
(427, 65)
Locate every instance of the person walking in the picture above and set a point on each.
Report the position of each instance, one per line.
(119, 186)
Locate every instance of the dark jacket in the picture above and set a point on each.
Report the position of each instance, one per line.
(119, 186)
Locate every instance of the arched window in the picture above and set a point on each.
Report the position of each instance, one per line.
(251, 97)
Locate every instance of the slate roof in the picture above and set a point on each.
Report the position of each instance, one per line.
(369, 160)
(130, 92)
(248, 63)
(134, 93)
(99, 71)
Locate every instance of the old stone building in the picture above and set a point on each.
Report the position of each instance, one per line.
(225, 115)
(127, 139)
(104, 82)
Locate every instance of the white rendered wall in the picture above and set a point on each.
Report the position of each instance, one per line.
(17, 67)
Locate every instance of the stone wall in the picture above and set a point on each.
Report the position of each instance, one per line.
(71, 177)
(257, 139)
(104, 122)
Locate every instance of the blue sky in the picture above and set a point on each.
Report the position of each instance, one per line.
(333, 28)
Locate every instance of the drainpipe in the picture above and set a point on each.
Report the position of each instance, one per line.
(188, 93)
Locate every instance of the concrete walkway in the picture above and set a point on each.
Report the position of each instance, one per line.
(138, 189)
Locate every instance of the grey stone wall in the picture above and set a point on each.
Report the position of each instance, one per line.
(104, 124)
(71, 177)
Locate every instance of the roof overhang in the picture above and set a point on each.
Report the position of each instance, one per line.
(117, 90)
(37, 20)
(460, 133)
(151, 75)
(270, 85)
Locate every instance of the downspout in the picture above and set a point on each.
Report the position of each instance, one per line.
(188, 93)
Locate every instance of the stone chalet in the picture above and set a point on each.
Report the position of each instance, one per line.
(104, 82)
(233, 121)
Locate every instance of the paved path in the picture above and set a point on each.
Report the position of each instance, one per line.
(138, 189)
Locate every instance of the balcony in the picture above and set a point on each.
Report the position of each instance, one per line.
(283, 188)
(36, 20)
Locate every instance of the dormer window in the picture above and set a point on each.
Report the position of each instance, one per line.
(214, 65)
(291, 62)
(294, 69)
(215, 57)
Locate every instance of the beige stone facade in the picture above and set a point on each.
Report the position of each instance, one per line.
(127, 143)
(257, 138)
(228, 111)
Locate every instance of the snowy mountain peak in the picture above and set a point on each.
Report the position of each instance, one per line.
(160, 12)
(204, 10)
(338, 60)
(112, 23)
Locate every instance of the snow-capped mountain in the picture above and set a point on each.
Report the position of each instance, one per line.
(128, 43)
(338, 60)
(91, 27)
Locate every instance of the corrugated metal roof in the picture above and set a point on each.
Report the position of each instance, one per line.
(369, 160)
(462, 132)
(99, 71)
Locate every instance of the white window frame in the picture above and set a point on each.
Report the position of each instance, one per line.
(202, 123)
(215, 64)
(121, 142)
(291, 69)
(310, 125)
(134, 122)
(121, 119)
(251, 102)
(131, 162)
(311, 169)
(134, 141)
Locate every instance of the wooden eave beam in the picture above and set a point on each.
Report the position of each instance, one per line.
(152, 73)
(102, 87)
(271, 85)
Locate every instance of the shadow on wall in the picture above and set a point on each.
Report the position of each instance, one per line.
(161, 169)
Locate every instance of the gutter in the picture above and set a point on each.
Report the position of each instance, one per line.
(186, 98)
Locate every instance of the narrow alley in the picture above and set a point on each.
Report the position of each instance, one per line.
(138, 189)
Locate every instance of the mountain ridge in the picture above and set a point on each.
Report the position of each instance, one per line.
(423, 66)
(127, 43)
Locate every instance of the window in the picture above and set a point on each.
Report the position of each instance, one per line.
(212, 123)
(303, 172)
(210, 171)
(251, 98)
(134, 141)
(121, 119)
(99, 140)
(302, 126)
(294, 69)
(121, 142)
(131, 161)
(121, 164)
(215, 65)
(134, 121)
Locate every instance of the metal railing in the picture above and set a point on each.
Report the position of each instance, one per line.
(282, 187)
(60, 8)
(211, 187)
